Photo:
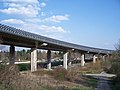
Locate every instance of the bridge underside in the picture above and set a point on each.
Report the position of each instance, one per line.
(8, 39)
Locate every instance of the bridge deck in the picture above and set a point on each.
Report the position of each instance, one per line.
(12, 36)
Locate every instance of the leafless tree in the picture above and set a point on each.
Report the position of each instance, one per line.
(117, 46)
(117, 52)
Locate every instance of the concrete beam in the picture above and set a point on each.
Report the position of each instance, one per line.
(82, 59)
(33, 59)
(49, 59)
(65, 58)
(12, 55)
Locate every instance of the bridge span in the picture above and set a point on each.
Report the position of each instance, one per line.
(16, 37)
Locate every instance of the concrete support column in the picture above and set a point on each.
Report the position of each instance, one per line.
(12, 55)
(33, 59)
(65, 57)
(82, 59)
(103, 57)
(69, 59)
(49, 59)
(94, 59)
(70, 63)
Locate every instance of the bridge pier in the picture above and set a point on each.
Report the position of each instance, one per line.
(65, 58)
(33, 59)
(69, 59)
(70, 63)
(49, 59)
(12, 55)
(82, 60)
(94, 58)
(104, 57)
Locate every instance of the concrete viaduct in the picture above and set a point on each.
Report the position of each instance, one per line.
(16, 37)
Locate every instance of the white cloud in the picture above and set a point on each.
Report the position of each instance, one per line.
(33, 20)
(22, 1)
(57, 18)
(45, 28)
(13, 5)
(52, 28)
(43, 4)
(12, 21)
(34, 27)
(43, 14)
(27, 8)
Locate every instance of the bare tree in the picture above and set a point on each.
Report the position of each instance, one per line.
(117, 46)
(117, 52)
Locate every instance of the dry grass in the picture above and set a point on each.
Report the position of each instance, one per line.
(95, 67)
(11, 79)
(61, 79)
(58, 79)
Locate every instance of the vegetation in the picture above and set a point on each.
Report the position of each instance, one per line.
(69, 79)
(115, 67)
(59, 79)
(24, 67)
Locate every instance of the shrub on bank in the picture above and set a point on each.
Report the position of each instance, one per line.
(23, 67)
(11, 79)
(63, 74)
(115, 69)
(59, 73)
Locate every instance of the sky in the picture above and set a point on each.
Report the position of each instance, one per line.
(94, 23)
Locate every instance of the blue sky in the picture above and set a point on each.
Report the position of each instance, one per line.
(94, 23)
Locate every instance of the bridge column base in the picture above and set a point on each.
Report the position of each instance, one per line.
(65, 58)
(49, 59)
(33, 59)
(12, 55)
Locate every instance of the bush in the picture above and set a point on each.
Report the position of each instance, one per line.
(7, 75)
(63, 74)
(23, 67)
(115, 69)
(60, 73)
(11, 79)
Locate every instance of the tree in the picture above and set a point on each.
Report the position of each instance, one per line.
(116, 60)
(117, 52)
